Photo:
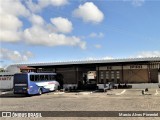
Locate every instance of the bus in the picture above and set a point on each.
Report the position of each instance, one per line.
(35, 83)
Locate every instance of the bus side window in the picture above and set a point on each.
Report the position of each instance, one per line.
(36, 77)
(46, 77)
(42, 77)
(49, 77)
(31, 77)
(52, 77)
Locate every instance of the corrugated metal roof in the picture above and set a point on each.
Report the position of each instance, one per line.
(92, 61)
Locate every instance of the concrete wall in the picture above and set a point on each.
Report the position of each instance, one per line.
(13, 69)
(145, 85)
(6, 80)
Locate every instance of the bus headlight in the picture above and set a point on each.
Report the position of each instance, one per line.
(29, 87)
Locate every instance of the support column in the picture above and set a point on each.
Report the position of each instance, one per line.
(77, 74)
(97, 70)
(149, 73)
(122, 74)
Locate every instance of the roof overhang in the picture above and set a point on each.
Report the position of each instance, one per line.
(125, 60)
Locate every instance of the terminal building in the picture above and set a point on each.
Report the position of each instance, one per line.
(129, 71)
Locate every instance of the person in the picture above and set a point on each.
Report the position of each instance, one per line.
(85, 79)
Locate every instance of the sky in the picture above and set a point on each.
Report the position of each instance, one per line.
(65, 30)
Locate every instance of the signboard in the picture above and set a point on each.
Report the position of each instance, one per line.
(91, 75)
(6, 82)
(5, 78)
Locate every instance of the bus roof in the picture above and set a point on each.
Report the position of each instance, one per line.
(34, 73)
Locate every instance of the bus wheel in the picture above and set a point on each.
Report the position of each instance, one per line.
(40, 91)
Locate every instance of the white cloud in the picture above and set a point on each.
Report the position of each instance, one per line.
(100, 58)
(143, 54)
(96, 35)
(36, 7)
(10, 23)
(10, 28)
(33, 7)
(15, 56)
(98, 46)
(148, 54)
(36, 20)
(107, 57)
(45, 34)
(89, 12)
(14, 7)
(138, 2)
(29, 54)
(53, 2)
(62, 24)
(10, 36)
(38, 35)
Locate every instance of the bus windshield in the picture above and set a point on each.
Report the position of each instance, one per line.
(20, 78)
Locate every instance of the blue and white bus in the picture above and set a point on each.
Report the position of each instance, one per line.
(35, 83)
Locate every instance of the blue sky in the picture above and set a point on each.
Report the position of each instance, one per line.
(63, 30)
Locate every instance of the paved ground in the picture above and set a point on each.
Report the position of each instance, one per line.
(113, 100)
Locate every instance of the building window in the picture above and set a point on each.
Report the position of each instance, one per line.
(101, 75)
(112, 74)
(118, 74)
(107, 74)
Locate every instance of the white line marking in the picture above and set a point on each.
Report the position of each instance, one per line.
(57, 93)
(156, 92)
(4, 93)
(84, 93)
(121, 92)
